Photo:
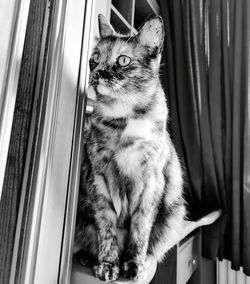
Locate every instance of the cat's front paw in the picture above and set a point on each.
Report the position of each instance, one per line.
(106, 271)
(133, 270)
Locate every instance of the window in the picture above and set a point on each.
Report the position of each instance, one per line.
(45, 228)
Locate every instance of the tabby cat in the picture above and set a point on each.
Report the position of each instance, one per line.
(131, 205)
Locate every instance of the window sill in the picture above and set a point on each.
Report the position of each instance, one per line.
(84, 275)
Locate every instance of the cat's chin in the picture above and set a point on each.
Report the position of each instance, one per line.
(104, 90)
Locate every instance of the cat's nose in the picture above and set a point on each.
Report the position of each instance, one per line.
(104, 74)
(100, 74)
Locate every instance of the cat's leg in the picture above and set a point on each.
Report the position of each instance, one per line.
(85, 245)
(166, 232)
(107, 268)
(171, 214)
(141, 224)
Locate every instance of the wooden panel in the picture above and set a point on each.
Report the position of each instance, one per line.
(9, 203)
(188, 259)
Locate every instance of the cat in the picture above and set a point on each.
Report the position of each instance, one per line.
(131, 205)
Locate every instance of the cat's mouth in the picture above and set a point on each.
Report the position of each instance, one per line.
(103, 89)
(101, 86)
(104, 85)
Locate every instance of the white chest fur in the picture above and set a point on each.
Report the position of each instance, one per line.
(130, 157)
(138, 128)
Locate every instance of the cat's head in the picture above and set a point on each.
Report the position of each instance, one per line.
(123, 67)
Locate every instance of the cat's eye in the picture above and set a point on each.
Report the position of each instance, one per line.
(124, 60)
(97, 57)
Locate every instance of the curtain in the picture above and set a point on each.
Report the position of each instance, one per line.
(206, 77)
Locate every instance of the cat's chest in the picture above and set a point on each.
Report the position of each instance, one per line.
(135, 145)
(125, 142)
(137, 128)
(115, 133)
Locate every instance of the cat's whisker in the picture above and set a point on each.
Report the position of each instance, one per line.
(125, 97)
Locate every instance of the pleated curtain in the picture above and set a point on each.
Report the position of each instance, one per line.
(206, 76)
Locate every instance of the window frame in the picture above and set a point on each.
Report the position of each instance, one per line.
(14, 15)
(46, 219)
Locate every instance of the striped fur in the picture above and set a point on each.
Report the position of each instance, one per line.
(130, 201)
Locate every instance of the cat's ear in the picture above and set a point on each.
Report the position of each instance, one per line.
(105, 28)
(151, 35)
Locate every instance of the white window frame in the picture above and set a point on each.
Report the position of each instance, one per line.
(13, 22)
(47, 252)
